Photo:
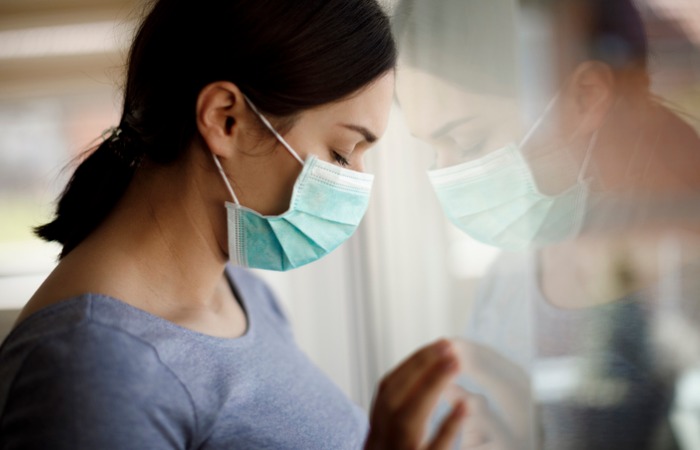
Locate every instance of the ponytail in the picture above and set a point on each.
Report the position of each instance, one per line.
(92, 192)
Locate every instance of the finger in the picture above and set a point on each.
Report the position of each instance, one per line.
(400, 382)
(475, 430)
(475, 433)
(506, 382)
(387, 408)
(485, 430)
(411, 418)
(447, 433)
(454, 393)
(484, 446)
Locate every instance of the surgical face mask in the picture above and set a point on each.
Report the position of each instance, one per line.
(495, 199)
(327, 205)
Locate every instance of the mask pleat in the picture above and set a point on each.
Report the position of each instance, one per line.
(522, 231)
(496, 201)
(262, 245)
(565, 218)
(296, 246)
(331, 203)
(501, 190)
(504, 227)
(326, 237)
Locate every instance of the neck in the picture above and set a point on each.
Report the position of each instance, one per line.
(648, 149)
(164, 240)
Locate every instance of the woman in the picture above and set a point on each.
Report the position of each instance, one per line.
(143, 337)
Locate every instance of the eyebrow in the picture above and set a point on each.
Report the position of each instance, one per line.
(449, 126)
(368, 135)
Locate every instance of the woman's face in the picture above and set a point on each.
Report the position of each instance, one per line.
(340, 133)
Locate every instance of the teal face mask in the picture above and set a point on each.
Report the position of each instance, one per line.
(495, 199)
(327, 205)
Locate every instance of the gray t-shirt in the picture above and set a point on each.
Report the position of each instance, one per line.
(93, 372)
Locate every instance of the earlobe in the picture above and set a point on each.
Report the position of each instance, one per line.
(219, 108)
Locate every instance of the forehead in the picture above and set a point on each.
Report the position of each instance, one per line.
(368, 107)
(429, 102)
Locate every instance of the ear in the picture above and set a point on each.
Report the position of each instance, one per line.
(590, 91)
(223, 117)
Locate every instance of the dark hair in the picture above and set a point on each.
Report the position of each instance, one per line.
(617, 34)
(613, 33)
(286, 56)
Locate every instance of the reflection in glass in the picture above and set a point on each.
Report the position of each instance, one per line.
(565, 133)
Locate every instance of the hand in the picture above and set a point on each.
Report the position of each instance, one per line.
(508, 388)
(407, 396)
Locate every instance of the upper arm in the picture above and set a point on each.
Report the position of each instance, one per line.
(96, 389)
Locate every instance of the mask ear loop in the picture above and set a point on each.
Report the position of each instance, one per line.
(272, 129)
(223, 175)
(654, 146)
(274, 132)
(634, 159)
(591, 145)
(587, 159)
(538, 122)
(594, 141)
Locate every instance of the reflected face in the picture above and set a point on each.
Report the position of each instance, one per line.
(462, 126)
(459, 124)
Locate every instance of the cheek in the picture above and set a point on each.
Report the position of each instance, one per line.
(271, 181)
(311, 145)
(306, 140)
(320, 151)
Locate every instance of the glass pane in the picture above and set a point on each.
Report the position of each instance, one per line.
(565, 137)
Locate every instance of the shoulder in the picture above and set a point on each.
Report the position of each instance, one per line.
(106, 379)
(100, 346)
(97, 356)
(80, 331)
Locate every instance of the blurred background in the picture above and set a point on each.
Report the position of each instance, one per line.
(409, 275)
(60, 69)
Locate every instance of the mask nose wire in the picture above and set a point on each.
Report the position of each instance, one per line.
(272, 129)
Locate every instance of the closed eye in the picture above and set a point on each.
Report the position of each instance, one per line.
(340, 159)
